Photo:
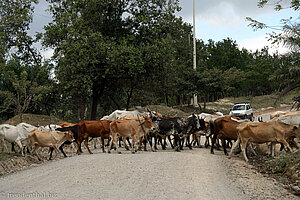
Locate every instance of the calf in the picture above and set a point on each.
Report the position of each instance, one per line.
(52, 139)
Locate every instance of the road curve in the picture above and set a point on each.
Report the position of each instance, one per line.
(190, 174)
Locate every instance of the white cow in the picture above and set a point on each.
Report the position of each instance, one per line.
(49, 127)
(17, 134)
(3, 129)
(117, 114)
(293, 119)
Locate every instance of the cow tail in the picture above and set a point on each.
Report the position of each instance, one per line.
(212, 128)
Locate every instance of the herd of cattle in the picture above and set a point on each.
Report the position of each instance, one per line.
(140, 128)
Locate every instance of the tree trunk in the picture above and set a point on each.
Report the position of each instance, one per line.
(95, 97)
(82, 106)
(98, 89)
(129, 95)
(177, 100)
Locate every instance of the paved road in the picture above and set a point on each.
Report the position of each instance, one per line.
(190, 174)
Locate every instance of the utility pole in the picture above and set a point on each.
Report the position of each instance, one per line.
(195, 100)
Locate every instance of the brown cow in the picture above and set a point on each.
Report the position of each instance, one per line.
(263, 132)
(95, 128)
(223, 128)
(134, 127)
(52, 139)
(66, 124)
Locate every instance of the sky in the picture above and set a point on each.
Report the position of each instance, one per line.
(214, 19)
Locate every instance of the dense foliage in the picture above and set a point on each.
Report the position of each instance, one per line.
(116, 54)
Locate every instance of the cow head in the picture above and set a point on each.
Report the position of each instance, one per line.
(148, 123)
(194, 122)
(296, 131)
(69, 136)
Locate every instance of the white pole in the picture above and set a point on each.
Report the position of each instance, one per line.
(195, 101)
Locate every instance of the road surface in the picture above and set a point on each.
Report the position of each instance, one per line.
(190, 174)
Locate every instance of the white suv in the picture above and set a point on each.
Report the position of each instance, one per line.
(242, 110)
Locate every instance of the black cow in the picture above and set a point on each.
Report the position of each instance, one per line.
(180, 128)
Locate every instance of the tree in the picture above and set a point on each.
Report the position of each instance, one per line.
(15, 17)
(97, 46)
(22, 91)
(289, 36)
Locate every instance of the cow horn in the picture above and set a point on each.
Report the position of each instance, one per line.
(151, 115)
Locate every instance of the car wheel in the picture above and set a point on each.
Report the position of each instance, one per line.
(251, 117)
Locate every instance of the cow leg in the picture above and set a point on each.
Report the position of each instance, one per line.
(155, 141)
(213, 141)
(120, 139)
(243, 147)
(151, 143)
(223, 141)
(128, 141)
(102, 143)
(145, 143)
(294, 143)
(114, 140)
(51, 151)
(95, 142)
(134, 140)
(169, 138)
(234, 146)
(189, 142)
(281, 146)
(252, 149)
(108, 141)
(36, 147)
(13, 147)
(110, 144)
(139, 143)
(87, 144)
(21, 146)
(176, 143)
(286, 144)
(163, 142)
(4, 144)
(125, 144)
(229, 144)
(79, 141)
(198, 140)
(217, 144)
(207, 137)
(181, 142)
(62, 150)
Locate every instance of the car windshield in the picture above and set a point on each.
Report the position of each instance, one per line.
(238, 107)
